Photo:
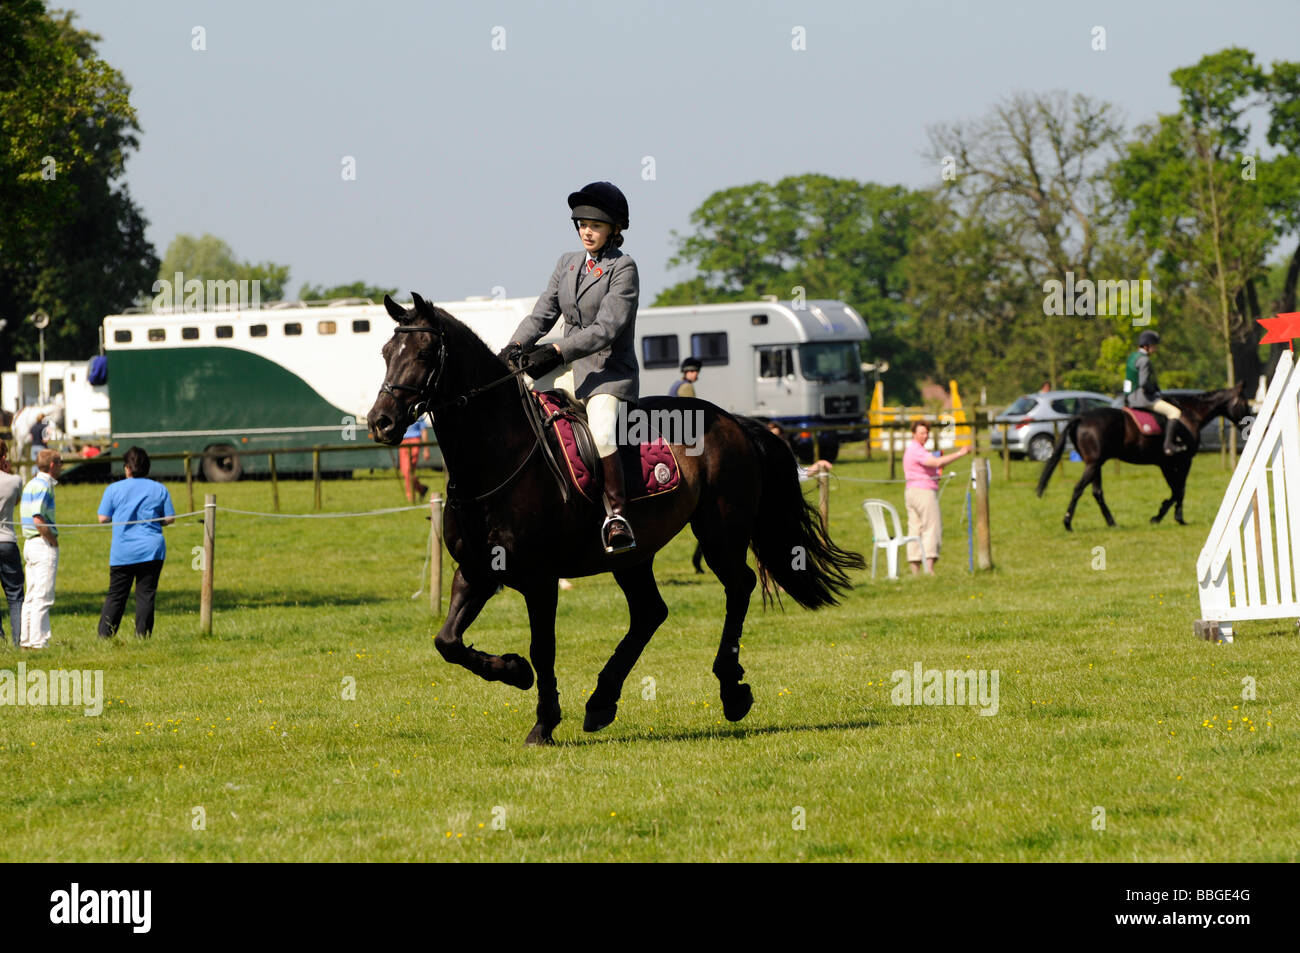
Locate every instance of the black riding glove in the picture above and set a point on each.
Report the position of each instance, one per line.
(511, 353)
(540, 361)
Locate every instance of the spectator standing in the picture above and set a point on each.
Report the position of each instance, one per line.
(138, 508)
(690, 374)
(409, 456)
(36, 436)
(921, 493)
(11, 561)
(40, 549)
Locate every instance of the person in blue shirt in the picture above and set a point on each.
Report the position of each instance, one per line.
(138, 549)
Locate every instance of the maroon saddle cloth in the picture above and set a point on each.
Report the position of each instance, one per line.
(648, 469)
(1147, 422)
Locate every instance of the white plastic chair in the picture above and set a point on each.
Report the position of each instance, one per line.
(891, 543)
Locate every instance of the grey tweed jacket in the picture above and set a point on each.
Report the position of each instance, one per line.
(599, 311)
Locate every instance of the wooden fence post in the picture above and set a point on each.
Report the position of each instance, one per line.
(315, 474)
(435, 554)
(275, 485)
(189, 482)
(983, 544)
(890, 432)
(209, 557)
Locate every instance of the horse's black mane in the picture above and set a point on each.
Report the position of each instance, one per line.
(461, 340)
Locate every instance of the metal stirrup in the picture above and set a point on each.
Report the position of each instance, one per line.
(604, 534)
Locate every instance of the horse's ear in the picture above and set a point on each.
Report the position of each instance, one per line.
(423, 308)
(394, 309)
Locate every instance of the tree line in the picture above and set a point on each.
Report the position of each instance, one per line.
(1047, 190)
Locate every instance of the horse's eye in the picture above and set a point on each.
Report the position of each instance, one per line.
(424, 356)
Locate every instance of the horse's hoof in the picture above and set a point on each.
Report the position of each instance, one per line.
(598, 718)
(539, 736)
(517, 672)
(737, 701)
(1068, 528)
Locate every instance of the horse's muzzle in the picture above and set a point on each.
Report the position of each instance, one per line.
(383, 427)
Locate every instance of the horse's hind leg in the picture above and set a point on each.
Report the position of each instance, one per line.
(646, 611)
(1095, 469)
(467, 601)
(541, 601)
(738, 581)
(1074, 498)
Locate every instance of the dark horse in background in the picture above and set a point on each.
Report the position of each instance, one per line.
(507, 521)
(1108, 433)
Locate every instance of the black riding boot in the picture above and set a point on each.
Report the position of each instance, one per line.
(1171, 427)
(616, 533)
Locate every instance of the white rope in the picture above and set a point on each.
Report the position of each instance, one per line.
(321, 516)
(945, 479)
(62, 526)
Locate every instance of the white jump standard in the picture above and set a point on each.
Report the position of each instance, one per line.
(1248, 567)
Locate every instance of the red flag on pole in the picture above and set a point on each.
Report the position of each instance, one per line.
(1281, 329)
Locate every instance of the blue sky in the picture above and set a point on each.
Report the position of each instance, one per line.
(464, 153)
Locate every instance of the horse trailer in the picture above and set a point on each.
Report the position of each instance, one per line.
(298, 375)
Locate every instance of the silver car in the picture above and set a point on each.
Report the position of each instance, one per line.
(1029, 421)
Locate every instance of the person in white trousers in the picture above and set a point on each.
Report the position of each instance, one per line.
(40, 549)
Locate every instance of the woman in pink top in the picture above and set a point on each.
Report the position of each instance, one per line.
(921, 494)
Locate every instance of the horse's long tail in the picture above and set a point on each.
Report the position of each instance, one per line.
(1067, 434)
(789, 542)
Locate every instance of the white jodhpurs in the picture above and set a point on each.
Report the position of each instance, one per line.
(602, 415)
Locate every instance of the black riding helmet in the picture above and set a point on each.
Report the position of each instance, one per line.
(599, 202)
(691, 364)
(1148, 339)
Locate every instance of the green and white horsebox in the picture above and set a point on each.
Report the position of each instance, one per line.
(285, 376)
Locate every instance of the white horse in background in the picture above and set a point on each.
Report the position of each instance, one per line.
(25, 420)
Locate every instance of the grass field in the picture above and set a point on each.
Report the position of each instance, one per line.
(1106, 702)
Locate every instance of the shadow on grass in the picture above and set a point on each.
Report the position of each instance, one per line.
(718, 733)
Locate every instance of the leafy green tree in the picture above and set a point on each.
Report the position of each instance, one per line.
(830, 238)
(1206, 213)
(210, 259)
(357, 289)
(1024, 200)
(71, 239)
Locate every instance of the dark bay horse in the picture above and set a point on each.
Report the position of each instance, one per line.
(508, 523)
(1108, 433)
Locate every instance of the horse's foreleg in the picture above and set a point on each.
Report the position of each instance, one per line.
(738, 581)
(467, 601)
(541, 601)
(1095, 470)
(1180, 488)
(1175, 494)
(646, 612)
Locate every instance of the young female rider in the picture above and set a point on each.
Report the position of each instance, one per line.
(595, 290)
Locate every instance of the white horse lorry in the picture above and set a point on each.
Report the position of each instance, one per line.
(796, 363)
(84, 405)
(294, 374)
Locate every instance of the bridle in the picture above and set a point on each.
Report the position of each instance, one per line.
(420, 405)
